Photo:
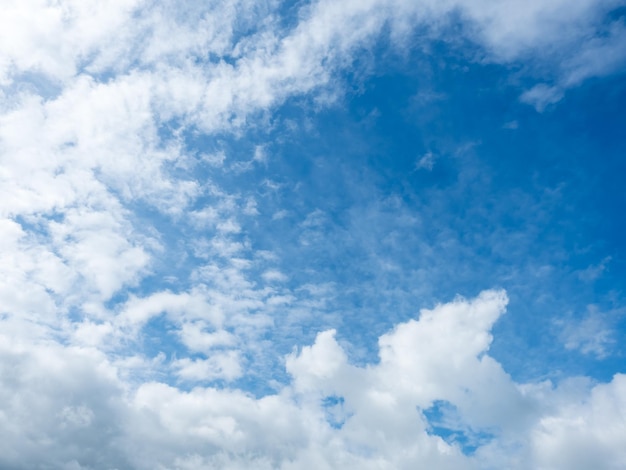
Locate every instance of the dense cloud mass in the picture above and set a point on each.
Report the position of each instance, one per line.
(70, 407)
(196, 271)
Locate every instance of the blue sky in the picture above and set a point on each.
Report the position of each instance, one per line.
(293, 235)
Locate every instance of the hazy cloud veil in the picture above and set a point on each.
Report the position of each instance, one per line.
(209, 258)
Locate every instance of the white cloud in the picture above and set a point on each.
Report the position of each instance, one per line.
(58, 405)
(53, 38)
(540, 96)
(196, 338)
(593, 272)
(190, 306)
(590, 334)
(585, 433)
(515, 28)
(440, 356)
(273, 275)
(601, 55)
(216, 366)
(426, 161)
(92, 245)
(76, 416)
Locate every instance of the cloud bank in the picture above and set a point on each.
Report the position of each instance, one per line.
(70, 407)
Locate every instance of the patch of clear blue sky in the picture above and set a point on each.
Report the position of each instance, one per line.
(444, 421)
(515, 199)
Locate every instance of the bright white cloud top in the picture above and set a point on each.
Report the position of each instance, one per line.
(284, 235)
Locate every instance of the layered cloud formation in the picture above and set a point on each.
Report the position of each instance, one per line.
(220, 249)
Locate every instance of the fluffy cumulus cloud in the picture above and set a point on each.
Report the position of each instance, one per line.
(169, 299)
(70, 407)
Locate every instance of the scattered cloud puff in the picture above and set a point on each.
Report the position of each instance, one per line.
(540, 96)
(594, 272)
(115, 222)
(426, 161)
(217, 366)
(592, 334)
